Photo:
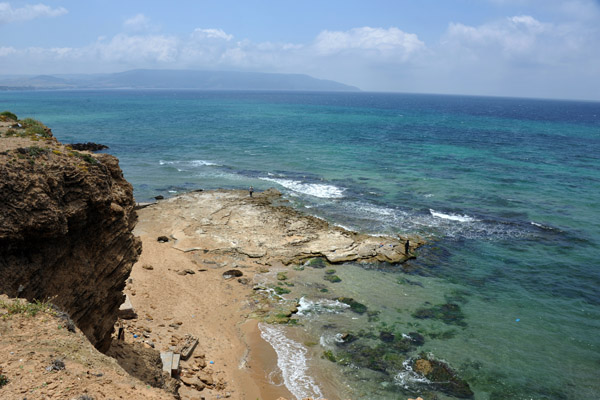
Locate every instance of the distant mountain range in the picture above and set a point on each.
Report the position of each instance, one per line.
(175, 79)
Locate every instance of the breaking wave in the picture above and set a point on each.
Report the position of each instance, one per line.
(291, 360)
(312, 189)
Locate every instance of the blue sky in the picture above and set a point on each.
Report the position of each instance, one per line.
(527, 48)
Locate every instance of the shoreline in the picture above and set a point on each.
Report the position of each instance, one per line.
(177, 287)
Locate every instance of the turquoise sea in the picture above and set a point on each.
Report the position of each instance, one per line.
(506, 191)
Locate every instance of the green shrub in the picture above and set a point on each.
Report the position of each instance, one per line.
(85, 157)
(32, 151)
(30, 122)
(9, 115)
(3, 380)
(279, 290)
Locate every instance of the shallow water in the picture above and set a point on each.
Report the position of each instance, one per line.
(505, 190)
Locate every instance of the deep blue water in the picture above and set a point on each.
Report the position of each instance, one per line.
(507, 191)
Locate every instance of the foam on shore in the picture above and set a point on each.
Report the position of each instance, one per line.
(291, 360)
(312, 189)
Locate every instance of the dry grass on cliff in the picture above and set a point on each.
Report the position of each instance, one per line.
(43, 359)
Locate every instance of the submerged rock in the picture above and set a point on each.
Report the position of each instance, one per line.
(332, 278)
(448, 313)
(442, 377)
(355, 306)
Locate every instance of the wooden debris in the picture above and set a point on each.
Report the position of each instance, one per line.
(187, 347)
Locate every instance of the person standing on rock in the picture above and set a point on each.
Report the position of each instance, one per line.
(251, 190)
(406, 247)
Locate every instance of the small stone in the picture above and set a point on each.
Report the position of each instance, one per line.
(181, 273)
(232, 273)
(206, 378)
(243, 281)
(162, 239)
(148, 267)
(189, 271)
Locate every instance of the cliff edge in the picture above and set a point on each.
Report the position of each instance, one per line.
(66, 221)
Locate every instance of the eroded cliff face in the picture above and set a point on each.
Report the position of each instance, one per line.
(66, 221)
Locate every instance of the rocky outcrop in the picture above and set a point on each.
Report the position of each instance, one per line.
(66, 221)
(89, 146)
(262, 230)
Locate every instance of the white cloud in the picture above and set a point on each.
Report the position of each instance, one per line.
(28, 12)
(386, 42)
(137, 23)
(142, 49)
(520, 55)
(218, 34)
(7, 51)
(520, 38)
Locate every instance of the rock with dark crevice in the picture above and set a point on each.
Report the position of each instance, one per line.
(66, 234)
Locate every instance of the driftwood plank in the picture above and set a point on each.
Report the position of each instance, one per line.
(187, 347)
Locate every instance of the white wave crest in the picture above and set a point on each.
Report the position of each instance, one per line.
(193, 163)
(312, 189)
(409, 378)
(291, 360)
(452, 217)
(542, 226)
(306, 307)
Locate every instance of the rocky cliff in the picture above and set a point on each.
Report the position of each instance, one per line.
(66, 221)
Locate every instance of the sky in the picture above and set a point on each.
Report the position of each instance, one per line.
(516, 48)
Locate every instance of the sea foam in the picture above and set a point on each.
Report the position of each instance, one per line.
(291, 360)
(193, 163)
(312, 189)
(306, 307)
(408, 378)
(452, 217)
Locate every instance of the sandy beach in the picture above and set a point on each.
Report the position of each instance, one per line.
(178, 286)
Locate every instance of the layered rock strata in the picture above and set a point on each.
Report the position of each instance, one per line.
(264, 230)
(66, 221)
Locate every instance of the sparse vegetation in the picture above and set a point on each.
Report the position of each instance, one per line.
(85, 157)
(29, 128)
(7, 115)
(3, 380)
(279, 290)
(23, 307)
(32, 151)
(281, 276)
